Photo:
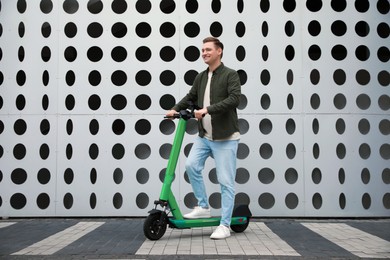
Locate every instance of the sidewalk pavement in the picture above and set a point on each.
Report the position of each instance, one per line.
(123, 238)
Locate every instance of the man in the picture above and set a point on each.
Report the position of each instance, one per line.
(217, 91)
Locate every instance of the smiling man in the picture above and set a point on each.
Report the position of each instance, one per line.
(217, 91)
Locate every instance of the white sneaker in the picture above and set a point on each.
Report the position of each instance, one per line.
(221, 232)
(198, 212)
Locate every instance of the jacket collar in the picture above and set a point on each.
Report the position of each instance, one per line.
(218, 69)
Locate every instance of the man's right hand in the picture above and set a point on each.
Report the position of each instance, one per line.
(171, 113)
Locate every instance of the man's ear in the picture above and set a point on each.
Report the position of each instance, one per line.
(219, 51)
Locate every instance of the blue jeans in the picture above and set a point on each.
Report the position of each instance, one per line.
(224, 154)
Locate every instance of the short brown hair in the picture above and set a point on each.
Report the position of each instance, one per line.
(216, 42)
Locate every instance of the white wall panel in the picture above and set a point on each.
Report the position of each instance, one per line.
(84, 86)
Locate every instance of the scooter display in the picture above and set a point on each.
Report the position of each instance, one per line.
(159, 218)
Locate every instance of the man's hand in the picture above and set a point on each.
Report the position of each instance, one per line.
(199, 114)
(171, 113)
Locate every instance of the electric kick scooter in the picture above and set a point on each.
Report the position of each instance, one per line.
(156, 223)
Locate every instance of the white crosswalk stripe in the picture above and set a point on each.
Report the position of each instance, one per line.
(354, 240)
(268, 242)
(6, 224)
(59, 240)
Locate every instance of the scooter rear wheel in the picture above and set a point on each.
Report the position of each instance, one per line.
(155, 226)
(240, 228)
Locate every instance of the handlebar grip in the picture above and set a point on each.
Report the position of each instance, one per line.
(173, 117)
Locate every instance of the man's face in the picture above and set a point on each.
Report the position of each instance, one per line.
(210, 53)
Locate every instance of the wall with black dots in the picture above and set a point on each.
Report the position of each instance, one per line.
(84, 86)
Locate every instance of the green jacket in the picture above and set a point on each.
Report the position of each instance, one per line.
(225, 91)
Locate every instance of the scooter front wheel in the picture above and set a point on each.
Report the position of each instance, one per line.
(155, 226)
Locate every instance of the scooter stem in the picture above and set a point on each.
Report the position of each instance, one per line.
(166, 193)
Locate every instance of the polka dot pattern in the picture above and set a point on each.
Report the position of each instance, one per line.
(84, 85)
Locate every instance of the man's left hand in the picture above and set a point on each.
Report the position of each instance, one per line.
(199, 114)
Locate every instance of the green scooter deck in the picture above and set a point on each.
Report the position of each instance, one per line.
(204, 222)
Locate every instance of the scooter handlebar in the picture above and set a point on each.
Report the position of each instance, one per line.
(185, 114)
(173, 117)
